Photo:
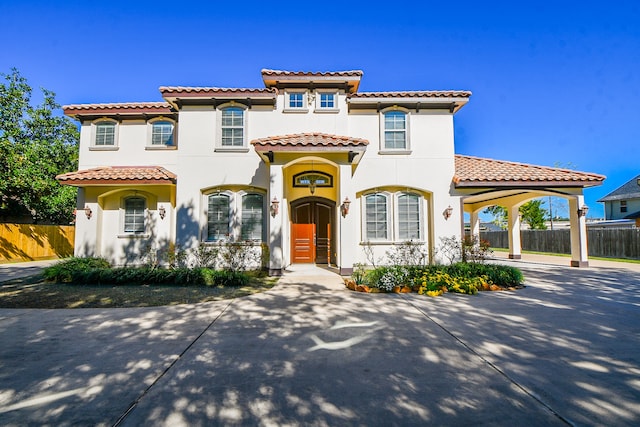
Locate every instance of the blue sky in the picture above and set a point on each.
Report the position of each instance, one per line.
(553, 82)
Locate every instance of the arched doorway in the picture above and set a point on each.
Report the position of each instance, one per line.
(312, 231)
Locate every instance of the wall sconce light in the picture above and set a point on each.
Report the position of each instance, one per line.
(162, 211)
(447, 212)
(87, 211)
(583, 211)
(344, 207)
(275, 206)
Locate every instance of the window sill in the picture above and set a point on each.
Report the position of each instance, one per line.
(161, 147)
(392, 152)
(133, 236)
(326, 110)
(295, 110)
(231, 150)
(103, 148)
(390, 242)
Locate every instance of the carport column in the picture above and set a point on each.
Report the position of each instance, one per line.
(579, 254)
(515, 246)
(276, 254)
(474, 224)
(348, 231)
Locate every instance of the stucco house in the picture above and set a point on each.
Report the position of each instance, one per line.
(623, 202)
(308, 165)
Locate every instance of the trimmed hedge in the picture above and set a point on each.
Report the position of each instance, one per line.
(85, 271)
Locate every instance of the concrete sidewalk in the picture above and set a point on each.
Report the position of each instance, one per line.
(562, 351)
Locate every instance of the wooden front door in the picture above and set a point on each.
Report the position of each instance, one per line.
(303, 243)
(318, 212)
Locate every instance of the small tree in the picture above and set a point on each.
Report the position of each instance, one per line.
(531, 212)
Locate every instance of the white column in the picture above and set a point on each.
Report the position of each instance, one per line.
(348, 233)
(275, 238)
(515, 245)
(474, 223)
(579, 254)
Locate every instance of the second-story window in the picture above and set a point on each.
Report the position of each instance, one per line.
(105, 134)
(623, 206)
(296, 100)
(395, 130)
(327, 100)
(162, 133)
(232, 128)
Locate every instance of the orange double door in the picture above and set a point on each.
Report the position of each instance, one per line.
(311, 232)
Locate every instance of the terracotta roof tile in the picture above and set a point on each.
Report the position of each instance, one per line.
(414, 94)
(476, 171)
(303, 140)
(118, 108)
(219, 91)
(119, 175)
(348, 73)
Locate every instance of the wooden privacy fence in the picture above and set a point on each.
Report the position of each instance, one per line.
(28, 242)
(608, 243)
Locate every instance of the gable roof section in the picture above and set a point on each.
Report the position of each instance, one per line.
(309, 141)
(481, 172)
(629, 190)
(114, 175)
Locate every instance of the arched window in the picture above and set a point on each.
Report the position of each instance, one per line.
(105, 134)
(395, 130)
(252, 217)
(232, 129)
(134, 214)
(162, 133)
(376, 217)
(409, 216)
(218, 226)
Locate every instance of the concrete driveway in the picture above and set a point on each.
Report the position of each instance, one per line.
(565, 350)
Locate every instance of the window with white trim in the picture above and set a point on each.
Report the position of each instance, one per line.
(393, 217)
(252, 217)
(105, 134)
(232, 127)
(233, 216)
(408, 214)
(162, 133)
(395, 130)
(295, 101)
(218, 214)
(377, 217)
(326, 102)
(134, 209)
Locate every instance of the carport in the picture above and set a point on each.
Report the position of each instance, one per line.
(486, 182)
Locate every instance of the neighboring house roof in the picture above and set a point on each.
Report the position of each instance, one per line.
(629, 190)
(129, 108)
(481, 172)
(304, 141)
(110, 175)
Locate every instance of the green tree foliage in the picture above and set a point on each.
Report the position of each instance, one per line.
(36, 144)
(531, 213)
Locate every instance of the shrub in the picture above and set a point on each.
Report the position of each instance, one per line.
(157, 276)
(63, 271)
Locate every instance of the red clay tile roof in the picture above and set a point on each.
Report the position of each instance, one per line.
(479, 172)
(118, 175)
(303, 141)
(414, 94)
(283, 73)
(117, 108)
(185, 91)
